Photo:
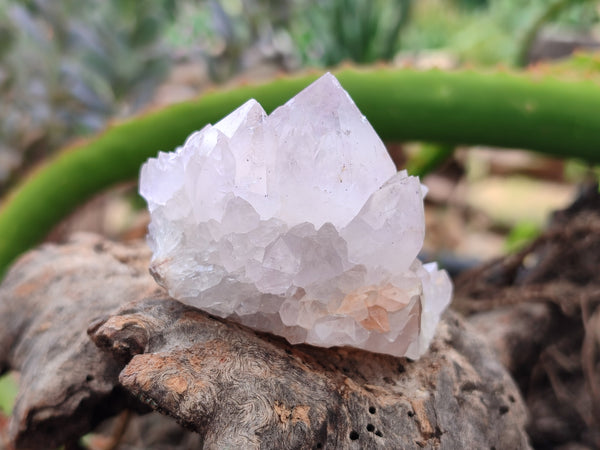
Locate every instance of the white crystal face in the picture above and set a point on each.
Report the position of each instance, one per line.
(298, 224)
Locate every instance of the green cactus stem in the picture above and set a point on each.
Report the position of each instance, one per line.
(466, 107)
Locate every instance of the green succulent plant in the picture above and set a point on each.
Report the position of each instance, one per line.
(65, 67)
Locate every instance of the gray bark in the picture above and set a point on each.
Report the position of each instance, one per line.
(232, 386)
(539, 309)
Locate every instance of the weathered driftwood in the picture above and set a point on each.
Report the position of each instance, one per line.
(234, 387)
(47, 302)
(240, 390)
(540, 310)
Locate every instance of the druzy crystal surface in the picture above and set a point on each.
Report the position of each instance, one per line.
(298, 224)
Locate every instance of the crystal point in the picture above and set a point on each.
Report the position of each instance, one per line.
(296, 223)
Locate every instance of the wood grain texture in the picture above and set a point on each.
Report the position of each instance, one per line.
(46, 304)
(234, 387)
(540, 311)
(243, 390)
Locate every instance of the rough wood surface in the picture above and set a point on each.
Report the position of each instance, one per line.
(240, 390)
(540, 310)
(47, 302)
(234, 387)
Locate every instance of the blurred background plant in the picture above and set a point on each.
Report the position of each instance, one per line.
(65, 67)
(502, 31)
(325, 33)
(8, 388)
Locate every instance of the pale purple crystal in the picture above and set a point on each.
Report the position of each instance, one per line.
(296, 223)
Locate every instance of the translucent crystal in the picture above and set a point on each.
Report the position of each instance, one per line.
(298, 224)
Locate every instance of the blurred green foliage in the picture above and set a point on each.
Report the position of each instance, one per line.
(231, 35)
(326, 32)
(521, 235)
(65, 67)
(494, 32)
(329, 32)
(8, 392)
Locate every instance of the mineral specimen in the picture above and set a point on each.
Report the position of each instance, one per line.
(298, 224)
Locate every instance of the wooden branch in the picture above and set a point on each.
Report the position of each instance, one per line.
(46, 304)
(234, 387)
(243, 390)
(540, 311)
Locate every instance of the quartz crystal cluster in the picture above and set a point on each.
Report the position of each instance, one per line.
(298, 224)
